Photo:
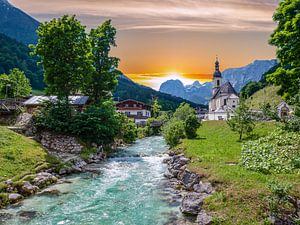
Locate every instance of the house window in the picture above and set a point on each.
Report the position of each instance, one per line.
(225, 101)
(126, 105)
(139, 114)
(233, 106)
(127, 113)
(134, 105)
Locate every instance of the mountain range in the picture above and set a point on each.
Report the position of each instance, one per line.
(201, 93)
(17, 24)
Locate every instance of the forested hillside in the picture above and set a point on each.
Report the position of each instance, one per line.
(14, 54)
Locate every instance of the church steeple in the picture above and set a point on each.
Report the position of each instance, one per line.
(217, 78)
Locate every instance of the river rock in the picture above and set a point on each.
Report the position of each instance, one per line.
(168, 174)
(192, 203)
(203, 218)
(28, 189)
(4, 217)
(203, 188)
(27, 215)
(50, 191)
(14, 198)
(189, 179)
(44, 179)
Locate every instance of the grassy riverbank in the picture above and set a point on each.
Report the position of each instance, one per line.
(240, 195)
(20, 156)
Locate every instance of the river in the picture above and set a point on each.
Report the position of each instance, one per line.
(130, 189)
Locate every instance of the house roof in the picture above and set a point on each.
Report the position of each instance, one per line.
(73, 100)
(132, 100)
(225, 89)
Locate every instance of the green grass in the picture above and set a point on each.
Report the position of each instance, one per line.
(20, 156)
(263, 96)
(240, 196)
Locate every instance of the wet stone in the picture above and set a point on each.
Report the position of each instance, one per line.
(27, 215)
(4, 217)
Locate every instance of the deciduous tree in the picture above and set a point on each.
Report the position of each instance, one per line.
(286, 38)
(65, 54)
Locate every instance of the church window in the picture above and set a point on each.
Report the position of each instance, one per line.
(225, 101)
(218, 82)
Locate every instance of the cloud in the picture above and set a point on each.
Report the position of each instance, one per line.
(167, 15)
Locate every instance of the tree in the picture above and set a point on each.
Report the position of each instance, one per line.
(241, 122)
(183, 112)
(191, 126)
(127, 129)
(19, 85)
(104, 78)
(250, 89)
(156, 107)
(173, 132)
(65, 54)
(286, 38)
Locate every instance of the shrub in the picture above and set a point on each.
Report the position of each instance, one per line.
(127, 129)
(56, 117)
(278, 201)
(141, 132)
(292, 124)
(183, 112)
(173, 131)
(191, 126)
(98, 125)
(277, 153)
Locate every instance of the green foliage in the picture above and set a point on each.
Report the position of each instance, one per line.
(241, 122)
(87, 152)
(104, 79)
(286, 39)
(66, 56)
(250, 89)
(54, 116)
(292, 124)
(183, 112)
(277, 153)
(278, 201)
(16, 55)
(128, 131)
(173, 132)
(19, 85)
(156, 107)
(270, 112)
(191, 126)
(98, 125)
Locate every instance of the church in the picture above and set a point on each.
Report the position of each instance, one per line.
(224, 98)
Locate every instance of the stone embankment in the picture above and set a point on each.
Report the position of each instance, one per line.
(194, 190)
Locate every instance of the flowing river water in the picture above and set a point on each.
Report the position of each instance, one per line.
(129, 190)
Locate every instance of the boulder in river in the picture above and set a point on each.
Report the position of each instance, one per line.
(203, 218)
(189, 179)
(28, 189)
(44, 179)
(14, 198)
(4, 217)
(50, 191)
(27, 215)
(192, 203)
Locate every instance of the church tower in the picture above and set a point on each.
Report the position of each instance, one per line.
(217, 79)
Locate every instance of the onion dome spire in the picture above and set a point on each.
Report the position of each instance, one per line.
(217, 72)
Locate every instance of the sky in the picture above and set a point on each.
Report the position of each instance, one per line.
(173, 39)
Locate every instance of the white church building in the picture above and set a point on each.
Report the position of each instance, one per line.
(224, 98)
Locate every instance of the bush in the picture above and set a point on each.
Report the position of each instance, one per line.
(292, 124)
(98, 125)
(55, 117)
(173, 131)
(277, 153)
(191, 126)
(278, 201)
(127, 129)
